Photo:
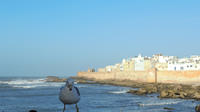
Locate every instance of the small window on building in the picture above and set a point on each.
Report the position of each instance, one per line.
(182, 68)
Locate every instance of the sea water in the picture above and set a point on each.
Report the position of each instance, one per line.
(23, 94)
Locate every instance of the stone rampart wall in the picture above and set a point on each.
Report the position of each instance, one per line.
(183, 77)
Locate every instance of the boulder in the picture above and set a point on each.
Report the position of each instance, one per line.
(150, 89)
(32, 110)
(132, 91)
(163, 94)
(182, 95)
(197, 108)
(55, 79)
(172, 94)
(51, 78)
(196, 96)
(141, 91)
(178, 88)
(167, 108)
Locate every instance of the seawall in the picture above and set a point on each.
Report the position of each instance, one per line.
(150, 76)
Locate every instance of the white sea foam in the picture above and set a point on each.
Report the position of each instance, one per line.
(37, 85)
(159, 103)
(23, 81)
(32, 86)
(30, 83)
(118, 92)
(82, 86)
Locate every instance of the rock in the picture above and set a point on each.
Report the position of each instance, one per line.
(32, 111)
(154, 89)
(132, 91)
(55, 79)
(196, 95)
(150, 89)
(171, 94)
(167, 108)
(197, 108)
(191, 91)
(178, 88)
(141, 91)
(182, 95)
(163, 94)
(51, 78)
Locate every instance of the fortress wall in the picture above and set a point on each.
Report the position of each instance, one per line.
(142, 76)
(97, 75)
(183, 77)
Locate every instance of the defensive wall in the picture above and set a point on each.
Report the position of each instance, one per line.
(151, 76)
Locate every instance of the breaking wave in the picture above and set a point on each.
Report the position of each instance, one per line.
(30, 83)
(159, 103)
(118, 92)
(23, 81)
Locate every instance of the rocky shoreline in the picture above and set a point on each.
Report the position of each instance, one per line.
(55, 79)
(181, 91)
(164, 90)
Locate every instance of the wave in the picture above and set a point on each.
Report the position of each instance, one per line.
(33, 86)
(30, 83)
(118, 92)
(159, 103)
(23, 81)
(38, 85)
(84, 85)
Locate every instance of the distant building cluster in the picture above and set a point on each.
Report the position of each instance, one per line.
(158, 61)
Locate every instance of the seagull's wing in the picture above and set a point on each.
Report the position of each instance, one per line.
(77, 90)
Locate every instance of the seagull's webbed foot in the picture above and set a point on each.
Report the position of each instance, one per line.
(77, 109)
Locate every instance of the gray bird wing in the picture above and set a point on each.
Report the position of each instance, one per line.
(77, 90)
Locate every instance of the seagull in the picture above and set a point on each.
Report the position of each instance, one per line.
(69, 94)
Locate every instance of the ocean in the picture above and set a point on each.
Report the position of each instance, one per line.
(21, 94)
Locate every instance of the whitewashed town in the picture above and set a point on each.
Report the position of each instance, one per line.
(158, 61)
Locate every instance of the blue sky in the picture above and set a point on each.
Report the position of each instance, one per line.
(62, 37)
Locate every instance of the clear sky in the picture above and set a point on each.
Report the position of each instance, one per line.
(62, 37)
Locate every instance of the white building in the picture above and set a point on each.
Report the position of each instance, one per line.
(182, 66)
(172, 63)
(109, 68)
(139, 63)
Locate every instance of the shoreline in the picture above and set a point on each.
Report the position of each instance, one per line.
(164, 90)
